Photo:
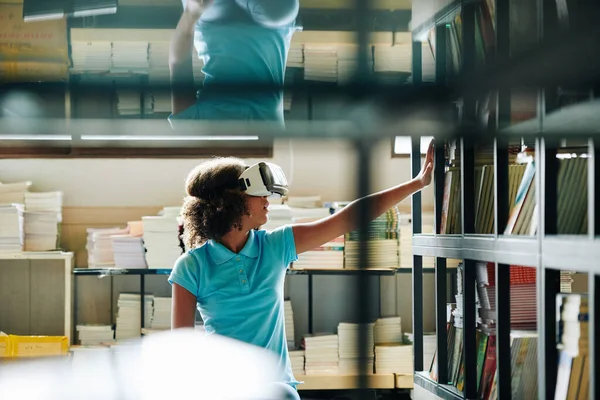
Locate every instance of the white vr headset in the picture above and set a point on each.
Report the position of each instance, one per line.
(263, 179)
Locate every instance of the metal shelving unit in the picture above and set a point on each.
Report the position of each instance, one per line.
(547, 252)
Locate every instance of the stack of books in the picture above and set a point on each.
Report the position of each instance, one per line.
(161, 240)
(289, 324)
(95, 334)
(320, 62)
(99, 246)
(388, 330)
(297, 360)
(129, 57)
(90, 57)
(129, 315)
(383, 243)
(321, 354)
(43, 217)
(394, 358)
(350, 361)
(11, 228)
(161, 315)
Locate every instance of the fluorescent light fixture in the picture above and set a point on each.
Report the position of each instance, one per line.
(97, 11)
(167, 138)
(35, 137)
(44, 17)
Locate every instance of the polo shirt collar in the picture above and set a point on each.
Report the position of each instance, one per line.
(221, 254)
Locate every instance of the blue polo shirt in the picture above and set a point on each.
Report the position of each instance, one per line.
(239, 56)
(240, 296)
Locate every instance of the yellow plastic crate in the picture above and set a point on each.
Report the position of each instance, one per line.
(4, 346)
(38, 346)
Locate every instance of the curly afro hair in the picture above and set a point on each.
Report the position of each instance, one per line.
(214, 205)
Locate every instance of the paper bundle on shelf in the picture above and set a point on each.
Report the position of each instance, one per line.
(388, 330)
(289, 323)
(158, 63)
(347, 65)
(129, 315)
(349, 348)
(295, 55)
(330, 255)
(91, 57)
(128, 252)
(161, 240)
(43, 216)
(99, 246)
(161, 316)
(297, 361)
(321, 354)
(95, 334)
(11, 228)
(11, 193)
(394, 358)
(320, 63)
(129, 57)
(397, 58)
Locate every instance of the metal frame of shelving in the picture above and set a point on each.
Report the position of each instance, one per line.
(547, 251)
(425, 108)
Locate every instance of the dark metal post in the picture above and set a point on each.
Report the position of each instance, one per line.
(417, 274)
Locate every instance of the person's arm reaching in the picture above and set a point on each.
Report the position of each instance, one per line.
(183, 308)
(183, 93)
(308, 236)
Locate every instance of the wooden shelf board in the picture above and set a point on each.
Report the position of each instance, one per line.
(333, 382)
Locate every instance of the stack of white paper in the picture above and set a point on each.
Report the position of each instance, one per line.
(296, 55)
(388, 330)
(297, 361)
(158, 63)
(128, 251)
(289, 323)
(349, 348)
(129, 315)
(161, 239)
(161, 317)
(129, 57)
(396, 58)
(95, 334)
(94, 57)
(348, 62)
(43, 216)
(13, 192)
(394, 358)
(321, 354)
(320, 63)
(99, 246)
(11, 228)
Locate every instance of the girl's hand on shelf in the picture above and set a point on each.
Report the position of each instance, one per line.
(424, 176)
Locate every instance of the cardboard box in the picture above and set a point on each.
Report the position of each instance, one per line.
(33, 71)
(36, 41)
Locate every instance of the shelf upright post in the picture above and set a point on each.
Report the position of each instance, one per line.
(502, 207)
(416, 216)
(547, 173)
(142, 299)
(363, 78)
(468, 200)
(439, 176)
(593, 277)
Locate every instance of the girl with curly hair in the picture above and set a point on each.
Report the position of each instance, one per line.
(234, 273)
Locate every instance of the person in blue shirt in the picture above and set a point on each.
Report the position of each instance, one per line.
(244, 45)
(234, 271)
